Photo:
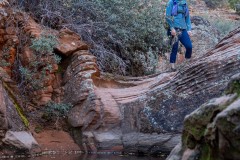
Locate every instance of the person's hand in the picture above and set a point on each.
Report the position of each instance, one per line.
(189, 33)
(173, 32)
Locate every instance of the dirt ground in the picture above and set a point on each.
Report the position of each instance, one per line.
(54, 140)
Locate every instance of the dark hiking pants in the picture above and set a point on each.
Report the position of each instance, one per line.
(186, 41)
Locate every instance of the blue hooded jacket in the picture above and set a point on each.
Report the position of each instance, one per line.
(180, 20)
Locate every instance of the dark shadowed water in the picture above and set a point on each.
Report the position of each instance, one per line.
(92, 157)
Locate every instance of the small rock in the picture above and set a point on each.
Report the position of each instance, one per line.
(22, 140)
(11, 30)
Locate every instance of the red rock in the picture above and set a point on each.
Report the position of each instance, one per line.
(45, 98)
(11, 31)
(48, 81)
(27, 56)
(2, 40)
(53, 140)
(11, 38)
(31, 27)
(70, 42)
(57, 81)
(45, 90)
(12, 55)
(54, 68)
(2, 32)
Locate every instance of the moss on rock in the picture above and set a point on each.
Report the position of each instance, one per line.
(17, 105)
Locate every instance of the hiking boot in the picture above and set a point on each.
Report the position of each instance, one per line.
(188, 62)
(173, 68)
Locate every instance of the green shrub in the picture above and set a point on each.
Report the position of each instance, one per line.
(44, 44)
(145, 62)
(26, 73)
(216, 3)
(126, 29)
(58, 109)
(222, 3)
(233, 3)
(238, 8)
(224, 26)
(4, 63)
(116, 29)
(38, 129)
(4, 57)
(33, 74)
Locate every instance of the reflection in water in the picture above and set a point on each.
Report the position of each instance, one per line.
(92, 157)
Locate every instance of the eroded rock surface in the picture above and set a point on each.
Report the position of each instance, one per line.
(151, 106)
(10, 119)
(212, 131)
(205, 36)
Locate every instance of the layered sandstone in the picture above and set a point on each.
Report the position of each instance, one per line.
(131, 113)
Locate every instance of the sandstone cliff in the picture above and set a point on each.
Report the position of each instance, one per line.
(21, 104)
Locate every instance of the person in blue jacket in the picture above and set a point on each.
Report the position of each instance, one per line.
(178, 19)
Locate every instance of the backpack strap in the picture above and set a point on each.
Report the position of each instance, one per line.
(186, 11)
(175, 8)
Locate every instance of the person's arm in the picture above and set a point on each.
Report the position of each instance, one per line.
(188, 22)
(169, 17)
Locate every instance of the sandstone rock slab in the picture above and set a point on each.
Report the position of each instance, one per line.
(70, 42)
(149, 143)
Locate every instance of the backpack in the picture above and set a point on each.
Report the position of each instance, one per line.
(175, 12)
